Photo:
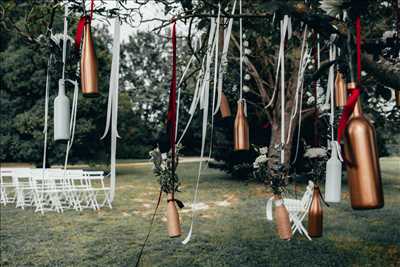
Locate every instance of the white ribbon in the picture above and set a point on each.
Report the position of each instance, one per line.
(224, 59)
(304, 59)
(196, 41)
(268, 209)
(74, 109)
(46, 111)
(112, 106)
(241, 49)
(72, 122)
(284, 29)
(204, 104)
(331, 86)
(215, 81)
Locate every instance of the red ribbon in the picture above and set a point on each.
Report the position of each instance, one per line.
(79, 32)
(81, 25)
(171, 117)
(355, 92)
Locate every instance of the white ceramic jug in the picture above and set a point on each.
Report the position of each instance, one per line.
(61, 114)
(333, 176)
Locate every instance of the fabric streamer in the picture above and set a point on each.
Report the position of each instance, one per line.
(72, 122)
(112, 105)
(221, 71)
(330, 92)
(304, 59)
(204, 99)
(355, 92)
(285, 26)
(216, 41)
(46, 111)
(224, 59)
(241, 51)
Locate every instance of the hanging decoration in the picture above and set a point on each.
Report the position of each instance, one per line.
(46, 111)
(61, 102)
(340, 90)
(202, 92)
(72, 122)
(333, 174)
(61, 114)
(333, 180)
(363, 170)
(315, 215)
(278, 171)
(221, 103)
(88, 62)
(174, 228)
(224, 107)
(112, 105)
(241, 126)
(282, 220)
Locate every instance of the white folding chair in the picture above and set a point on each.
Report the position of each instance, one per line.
(95, 181)
(7, 186)
(297, 209)
(23, 189)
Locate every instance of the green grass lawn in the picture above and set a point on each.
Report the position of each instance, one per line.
(233, 231)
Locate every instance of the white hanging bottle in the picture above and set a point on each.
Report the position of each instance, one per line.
(333, 182)
(61, 114)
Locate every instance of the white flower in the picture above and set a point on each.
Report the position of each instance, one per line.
(315, 152)
(259, 161)
(247, 77)
(333, 8)
(246, 88)
(264, 150)
(246, 43)
(247, 51)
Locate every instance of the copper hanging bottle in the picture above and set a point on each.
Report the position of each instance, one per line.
(282, 219)
(397, 97)
(315, 215)
(224, 107)
(340, 90)
(363, 170)
(241, 128)
(88, 64)
(174, 226)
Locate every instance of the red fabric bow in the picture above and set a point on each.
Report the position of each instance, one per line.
(81, 25)
(355, 92)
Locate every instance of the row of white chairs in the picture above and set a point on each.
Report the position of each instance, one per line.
(54, 189)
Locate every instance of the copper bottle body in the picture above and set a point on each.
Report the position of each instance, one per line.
(363, 170)
(224, 107)
(340, 90)
(282, 220)
(397, 97)
(241, 128)
(315, 215)
(88, 65)
(173, 223)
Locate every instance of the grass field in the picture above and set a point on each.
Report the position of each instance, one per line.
(230, 231)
